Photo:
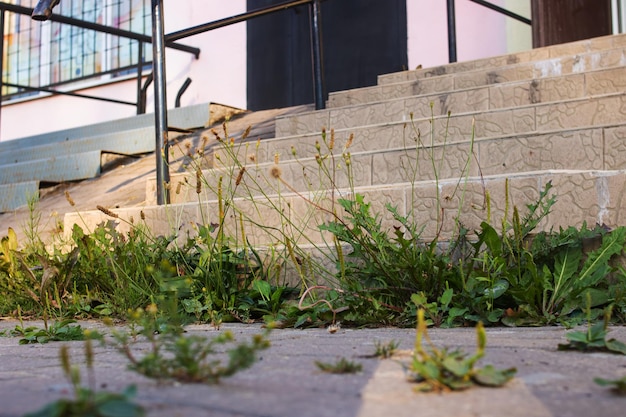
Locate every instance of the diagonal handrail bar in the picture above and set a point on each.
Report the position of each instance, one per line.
(503, 11)
(100, 28)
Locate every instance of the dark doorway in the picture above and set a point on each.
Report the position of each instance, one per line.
(560, 21)
(361, 39)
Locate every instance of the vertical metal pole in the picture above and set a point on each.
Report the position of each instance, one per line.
(451, 32)
(316, 51)
(140, 109)
(160, 103)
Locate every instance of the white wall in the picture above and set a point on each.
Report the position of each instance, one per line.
(218, 76)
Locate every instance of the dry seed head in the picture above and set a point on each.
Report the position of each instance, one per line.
(178, 187)
(225, 129)
(276, 172)
(107, 211)
(65, 360)
(132, 220)
(142, 215)
(331, 145)
(276, 158)
(89, 352)
(69, 199)
(252, 157)
(350, 139)
(217, 135)
(246, 132)
(240, 176)
(198, 181)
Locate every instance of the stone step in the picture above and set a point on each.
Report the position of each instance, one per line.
(567, 49)
(536, 119)
(474, 99)
(438, 206)
(17, 194)
(128, 142)
(55, 169)
(449, 82)
(183, 117)
(596, 148)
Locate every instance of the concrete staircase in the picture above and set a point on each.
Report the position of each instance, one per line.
(457, 141)
(76, 154)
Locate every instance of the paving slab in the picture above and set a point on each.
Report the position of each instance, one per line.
(286, 383)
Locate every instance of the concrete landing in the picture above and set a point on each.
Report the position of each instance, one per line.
(286, 383)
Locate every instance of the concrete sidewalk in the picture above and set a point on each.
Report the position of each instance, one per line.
(286, 383)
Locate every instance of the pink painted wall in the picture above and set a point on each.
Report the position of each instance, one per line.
(480, 32)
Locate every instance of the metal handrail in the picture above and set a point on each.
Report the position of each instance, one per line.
(452, 57)
(160, 100)
(100, 28)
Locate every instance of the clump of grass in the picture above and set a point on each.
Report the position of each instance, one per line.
(342, 366)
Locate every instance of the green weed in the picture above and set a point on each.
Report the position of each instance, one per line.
(88, 402)
(342, 366)
(174, 356)
(443, 370)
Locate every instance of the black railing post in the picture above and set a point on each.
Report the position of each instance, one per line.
(140, 107)
(316, 52)
(181, 91)
(451, 32)
(160, 103)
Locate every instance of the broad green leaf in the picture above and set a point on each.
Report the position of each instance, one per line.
(446, 297)
(616, 346)
(497, 289)
(489, 236)
(580, 337)
(459, 368)
(263, 287)
(596, 266)
(119, 407)
(492, 377)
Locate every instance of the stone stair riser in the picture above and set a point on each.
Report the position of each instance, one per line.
(581, 197)
(554, 51)
(518, 72)
(585, 149)
(17, 194)
(130, 142)
(495, 97)
(55, 169)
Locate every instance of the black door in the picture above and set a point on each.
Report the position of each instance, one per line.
(560, 21)
(361, 39)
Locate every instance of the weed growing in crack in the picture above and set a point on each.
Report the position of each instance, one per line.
(174, 356)
(342, 366)
(440, 370)
(87, 401)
